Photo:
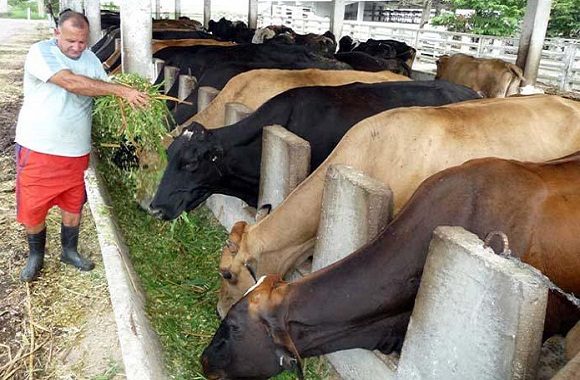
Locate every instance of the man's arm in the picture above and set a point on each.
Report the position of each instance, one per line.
(82, 85)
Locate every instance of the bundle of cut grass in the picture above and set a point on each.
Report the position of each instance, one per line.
(123, 133)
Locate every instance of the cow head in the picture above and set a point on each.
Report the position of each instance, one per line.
(193, 168)
(345, 44)
(253, 341)
(237, 269)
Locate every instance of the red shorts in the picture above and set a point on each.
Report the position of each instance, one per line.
(45, 180)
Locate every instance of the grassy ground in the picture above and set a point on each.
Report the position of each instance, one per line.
(177, 263)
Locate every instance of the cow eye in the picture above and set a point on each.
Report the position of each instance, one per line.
(191, 166)
(227, 275)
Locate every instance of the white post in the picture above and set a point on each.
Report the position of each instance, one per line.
(93, 13)
(337, 18)
(28, 13)
(252, 14)
(477, 315)
(157, 9)
(206, 13)
(76, 5)
(177, 9)
(3, 6)
(41, 11)
(535, 27)
(136, 32)
(360, 12)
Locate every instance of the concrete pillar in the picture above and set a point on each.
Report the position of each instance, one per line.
(477, 315)
(158, 65)
(355, 208)
(136, 32)
(205, 95)
(252, 14)
(3, 6)
(157, 9)
(235, 112)
(532, 38)
(170, 74)
(93, 13)
(337, 18)
(187, 84)
(41, 10)
(177, 9)
(76, 5)
(206, 13)
(285, 163)
(360, 12)
(229, 210)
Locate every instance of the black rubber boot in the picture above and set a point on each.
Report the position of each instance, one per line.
(69, 238)
(36, 243)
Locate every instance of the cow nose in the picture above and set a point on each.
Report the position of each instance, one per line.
(155, 211)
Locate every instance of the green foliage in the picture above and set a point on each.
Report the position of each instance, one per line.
(117, 123)
(491, 17)
(565, 19)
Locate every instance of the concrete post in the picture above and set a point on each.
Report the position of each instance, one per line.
(285, 163)
(252, 14)
(41, 11)
(158, 65)
(205, 95)
(355, 208)
(177, 9)
(532, 39)
(206, 13)
(170, 74)
(229, 210)
(157, 9)
(93, 13)
(235, 112)
(337, 18)
(76, 5)
(187, 84)
(360, 12)
(136, 33)
(477, 315)
(3, 6)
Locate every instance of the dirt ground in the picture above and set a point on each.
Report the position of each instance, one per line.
(61, 326)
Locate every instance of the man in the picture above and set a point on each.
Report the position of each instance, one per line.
(53, 136)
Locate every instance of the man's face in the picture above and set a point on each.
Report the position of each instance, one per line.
(70, 40)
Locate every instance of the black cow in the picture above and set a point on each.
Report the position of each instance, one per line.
(359, 60)
(227, 30)
(380, 49)
(227, 160)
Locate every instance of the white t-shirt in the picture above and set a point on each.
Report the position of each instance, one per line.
(53, 120)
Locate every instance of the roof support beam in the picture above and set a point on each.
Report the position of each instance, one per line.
(206, 13)
(253, 14)
(532, 38)
(76, 5)
(93, 13)
(157, 9)
(337, 18)
(177, 9)
(136, 32)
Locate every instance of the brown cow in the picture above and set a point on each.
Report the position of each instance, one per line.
(401, 148)
(493, 78)
(365, 300)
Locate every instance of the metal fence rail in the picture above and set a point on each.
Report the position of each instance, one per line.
(559, 65)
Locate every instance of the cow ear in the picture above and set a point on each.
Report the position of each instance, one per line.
(263, 212)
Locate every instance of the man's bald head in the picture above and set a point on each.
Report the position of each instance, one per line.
(72, 33)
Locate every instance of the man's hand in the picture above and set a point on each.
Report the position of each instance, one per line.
(135, 97)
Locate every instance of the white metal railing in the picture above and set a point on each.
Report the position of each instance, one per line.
(559, 65)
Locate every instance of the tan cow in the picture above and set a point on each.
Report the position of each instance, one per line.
(401, 148)
(493, 78)
(254, 88)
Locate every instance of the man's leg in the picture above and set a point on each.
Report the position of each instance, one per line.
(36, 237)
(69, 238)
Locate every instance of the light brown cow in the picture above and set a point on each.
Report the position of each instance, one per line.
(401, 148)
(493, 78)
(254, 88)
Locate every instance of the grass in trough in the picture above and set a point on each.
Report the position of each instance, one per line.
(177, 263)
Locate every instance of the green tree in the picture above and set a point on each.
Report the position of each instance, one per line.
(565, 19)
(491, 17)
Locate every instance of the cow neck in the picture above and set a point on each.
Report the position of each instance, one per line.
(365, 300)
